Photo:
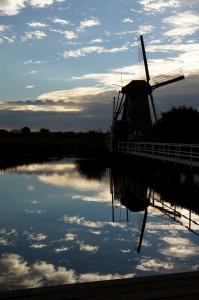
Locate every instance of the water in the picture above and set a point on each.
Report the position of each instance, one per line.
(60, 225)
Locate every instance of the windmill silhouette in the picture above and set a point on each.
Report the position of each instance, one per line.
(134, 100)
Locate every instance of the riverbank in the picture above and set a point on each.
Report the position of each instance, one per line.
(29, 147)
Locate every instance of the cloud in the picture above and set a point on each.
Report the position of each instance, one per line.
(40, 106)
(89, 23)
(14, 270)
(35, 237)
(186, 23)
(12, 8)
(96, 41)
(88, 277)
(37, 34)
(88, 248)
(79, 94)
(62, 22)
(5, 31)
(127, 20)
(43, 3)
(90, 224)
(158, 6)
(30, 86)
(37, 24)
(179, 247)
(143, 29)
(37, 62)
(92, 49)
(33, 72)
(150, 264)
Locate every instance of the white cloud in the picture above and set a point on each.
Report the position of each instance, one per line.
(3, 28)
(88, 248)
(12, 8)
(43, 3)
(61, 21)
(33, 72)
(14, 270)
(63, 249)
(37, 34)
(38, 246)
(88, 277)
(37, 62)
(35, 237)
(67, 34)
(127, 20)
(70, 35)
(96, 41)
(37, 24)
(149, 264)
(186, 23)
(92, 49)
(30, 86)
(143, 29)
(89, 23)
(158, 6)
(74, 95)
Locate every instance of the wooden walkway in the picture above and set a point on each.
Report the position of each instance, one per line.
(173, 286)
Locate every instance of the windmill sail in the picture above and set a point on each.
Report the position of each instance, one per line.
(171, 77)
(144, 59)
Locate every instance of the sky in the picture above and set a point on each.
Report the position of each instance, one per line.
(63, 61)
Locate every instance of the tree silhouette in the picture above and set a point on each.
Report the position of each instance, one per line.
(25, 130)
(177, 125)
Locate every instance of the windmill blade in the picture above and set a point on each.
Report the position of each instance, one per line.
(181, 77)
(117, 102)
(145, 59)
(153, 107)
(119, 108)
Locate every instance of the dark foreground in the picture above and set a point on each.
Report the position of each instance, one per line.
(173, 286)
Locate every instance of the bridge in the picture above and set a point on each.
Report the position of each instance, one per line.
(185, 154)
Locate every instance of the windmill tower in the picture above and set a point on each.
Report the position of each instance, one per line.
(133, 103)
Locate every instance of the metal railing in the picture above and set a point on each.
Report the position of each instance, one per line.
(179, 153)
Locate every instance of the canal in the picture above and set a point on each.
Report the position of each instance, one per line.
(68, 221)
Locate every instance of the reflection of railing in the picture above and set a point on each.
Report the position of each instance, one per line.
(184, 216)
(187, 154)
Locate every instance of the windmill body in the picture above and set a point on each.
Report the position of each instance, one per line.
(132, 111)
(136, 107)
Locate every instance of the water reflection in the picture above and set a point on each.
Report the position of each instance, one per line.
(138, 196)
(60, 221)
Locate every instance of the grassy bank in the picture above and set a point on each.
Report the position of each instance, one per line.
(36, 145)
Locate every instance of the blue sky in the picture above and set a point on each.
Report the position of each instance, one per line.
(62, 59)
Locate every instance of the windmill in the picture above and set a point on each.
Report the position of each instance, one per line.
(134, 100)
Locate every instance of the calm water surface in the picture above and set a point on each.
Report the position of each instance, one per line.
(59, 227)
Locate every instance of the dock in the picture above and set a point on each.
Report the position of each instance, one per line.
(183, 286)
(184, 154)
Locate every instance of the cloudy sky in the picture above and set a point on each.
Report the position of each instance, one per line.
(61, 60)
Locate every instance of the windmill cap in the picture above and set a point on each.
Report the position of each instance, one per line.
(137, 86)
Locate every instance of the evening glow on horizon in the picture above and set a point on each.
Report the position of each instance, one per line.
(63, 61)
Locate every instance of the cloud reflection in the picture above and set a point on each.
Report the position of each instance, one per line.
(15, 272)
(92, 224)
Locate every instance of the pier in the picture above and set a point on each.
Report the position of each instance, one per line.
(185, 154)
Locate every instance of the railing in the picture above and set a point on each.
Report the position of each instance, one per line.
(179, 153)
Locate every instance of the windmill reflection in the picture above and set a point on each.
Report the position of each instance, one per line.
(137, 196)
